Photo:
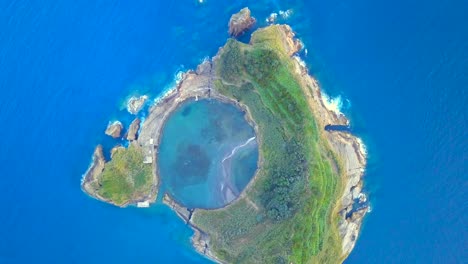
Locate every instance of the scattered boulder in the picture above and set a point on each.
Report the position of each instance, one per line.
(135, 104)
(240, 22)
(114, 129)
(133, 129)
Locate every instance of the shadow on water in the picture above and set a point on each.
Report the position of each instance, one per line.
(339, 128)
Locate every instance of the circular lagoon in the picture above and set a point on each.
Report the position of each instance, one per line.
(207, 155)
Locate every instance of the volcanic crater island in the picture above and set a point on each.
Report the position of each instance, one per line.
(241, 149)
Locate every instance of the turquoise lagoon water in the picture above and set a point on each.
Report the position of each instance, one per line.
(207, 154)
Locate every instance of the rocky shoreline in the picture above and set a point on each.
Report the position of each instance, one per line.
(194, 85)
(351, 154)
(349, 149)
(90, 182)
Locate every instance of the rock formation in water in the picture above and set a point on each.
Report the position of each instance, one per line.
(240, 22)
(135, 104)
(133, 129)
(114, 129)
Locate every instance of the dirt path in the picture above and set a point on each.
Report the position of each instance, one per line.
(247, 199)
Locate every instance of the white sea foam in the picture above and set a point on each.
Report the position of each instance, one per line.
(362, 147)
(272, 18)
(285, 14)
(334, 104)
(178, 76)
(205, 59)
(114, 123)
(300, 61)
(83, 177)
(132, 109)
(164, 94)
(171, 86)
(362, 197)
(90, 166)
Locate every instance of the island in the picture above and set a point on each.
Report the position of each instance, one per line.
(281, 187)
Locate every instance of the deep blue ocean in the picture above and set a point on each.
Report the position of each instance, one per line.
(66, 67)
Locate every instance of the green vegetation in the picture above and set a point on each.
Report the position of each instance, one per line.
(288, 214)
(125, 178)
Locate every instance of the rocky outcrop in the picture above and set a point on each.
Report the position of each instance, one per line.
(135, 104)
(132, 133)
(349, 150)
(90, 180)
(114, 129)
(240, 22)
(350, 224)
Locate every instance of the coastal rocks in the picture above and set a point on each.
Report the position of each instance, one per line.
(240, 22)
(349, 149)
(97, 167)
(114, 129)
(202, 84)
(188, 87)
(349, 228)
(133, 129)
(293, 44)
(135, 104)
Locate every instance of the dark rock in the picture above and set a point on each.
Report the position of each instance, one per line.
(135, 104)
(133, 129)
(114, 129)
(240, 22)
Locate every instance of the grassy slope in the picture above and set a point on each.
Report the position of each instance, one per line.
(296, 189)
(125, 177)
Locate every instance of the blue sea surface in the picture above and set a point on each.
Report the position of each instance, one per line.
(66, 68)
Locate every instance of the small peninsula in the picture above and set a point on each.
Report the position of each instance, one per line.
(303, 202)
